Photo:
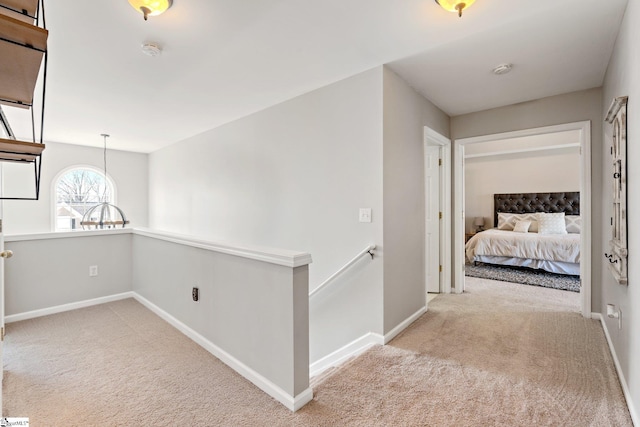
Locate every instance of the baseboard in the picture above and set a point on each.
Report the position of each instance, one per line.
(66, 307)
(339, 356)
(403, 325)
(291, 402)
(616, 362)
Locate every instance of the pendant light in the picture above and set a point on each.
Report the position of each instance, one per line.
(455, 5)
(104, 215)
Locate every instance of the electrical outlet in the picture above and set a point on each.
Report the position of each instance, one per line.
(195, 294)
(93, 270)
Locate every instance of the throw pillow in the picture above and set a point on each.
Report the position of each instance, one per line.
(522, 226)
(551, 223)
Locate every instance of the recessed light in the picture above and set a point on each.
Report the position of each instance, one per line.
(502, 69)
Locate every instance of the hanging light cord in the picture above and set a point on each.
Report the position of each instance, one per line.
(104, 155)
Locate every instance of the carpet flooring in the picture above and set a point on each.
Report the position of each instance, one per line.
(524, 276)
(498, 355)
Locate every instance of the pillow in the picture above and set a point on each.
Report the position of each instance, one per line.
(506, 221)
(573, 223)
(551, 223)
(522, 226)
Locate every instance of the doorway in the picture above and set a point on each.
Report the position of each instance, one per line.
(584, 132)
(437, 157)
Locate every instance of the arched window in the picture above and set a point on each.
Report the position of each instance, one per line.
(77, 189)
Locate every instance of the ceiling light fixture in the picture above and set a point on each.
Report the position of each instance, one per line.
(455, 5)
(502, 69)
(104, 214)
(151, 7)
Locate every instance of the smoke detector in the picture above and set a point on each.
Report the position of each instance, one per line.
(502, 69)
(151, 49)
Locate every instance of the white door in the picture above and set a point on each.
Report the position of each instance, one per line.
(432, 216)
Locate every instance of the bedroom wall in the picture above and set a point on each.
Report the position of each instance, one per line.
(129, 171)
(292, 176)
(405, 115)
(623, 79)
(542, 171)
(554, 110)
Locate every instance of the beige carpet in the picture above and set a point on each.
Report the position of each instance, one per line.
(498, 355)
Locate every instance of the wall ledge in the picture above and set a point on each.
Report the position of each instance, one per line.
(283, 257)
(65, 234)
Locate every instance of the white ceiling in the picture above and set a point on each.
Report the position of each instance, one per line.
(226, 59)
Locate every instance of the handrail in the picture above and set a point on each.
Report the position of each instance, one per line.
(344, 267)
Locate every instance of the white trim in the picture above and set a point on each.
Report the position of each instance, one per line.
(274, 256)
(66, 234)
(433, 137)
(354, 348)
(66, 307)
(585, 199)
(403, 325)
(616, 362)
(522, 150)
(291, 402)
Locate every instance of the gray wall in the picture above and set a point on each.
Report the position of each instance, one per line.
(250, 309)
(405, 115)
(128, 170)
(623, 79)
(555, 110)
(46, 273)
(291, 176)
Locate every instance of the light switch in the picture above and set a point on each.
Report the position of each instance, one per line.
(365, 215)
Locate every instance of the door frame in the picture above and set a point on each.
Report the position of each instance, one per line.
(584, 128)
(433, 138)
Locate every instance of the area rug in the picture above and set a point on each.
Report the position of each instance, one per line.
(525, 276)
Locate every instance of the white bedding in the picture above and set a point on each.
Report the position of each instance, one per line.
(503, 243)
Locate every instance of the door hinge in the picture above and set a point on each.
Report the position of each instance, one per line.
(440, 269)
(439, 162)
(2, 334)
(439, 215)
(0, 226)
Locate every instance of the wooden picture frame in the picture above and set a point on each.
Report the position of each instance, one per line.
(618, 252)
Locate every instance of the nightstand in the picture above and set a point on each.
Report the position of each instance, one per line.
(467, 236)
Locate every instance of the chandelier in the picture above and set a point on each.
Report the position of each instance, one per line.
(104, 214)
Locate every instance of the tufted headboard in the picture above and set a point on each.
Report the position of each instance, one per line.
(569, 203)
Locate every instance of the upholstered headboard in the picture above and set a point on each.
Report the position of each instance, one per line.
(569, 203)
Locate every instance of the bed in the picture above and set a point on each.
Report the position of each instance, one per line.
(535, 230)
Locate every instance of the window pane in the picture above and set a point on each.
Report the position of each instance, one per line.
(76, 192)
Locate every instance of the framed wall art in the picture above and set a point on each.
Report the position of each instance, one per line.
(617, 254)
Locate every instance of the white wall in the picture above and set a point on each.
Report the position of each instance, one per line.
(128, 170)
(406, 113)
(542, 171)
(623, 79)
(568, 108)
(291, 176)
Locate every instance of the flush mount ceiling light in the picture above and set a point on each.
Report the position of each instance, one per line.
(502, 69)
(455, 5)
(151, 7)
